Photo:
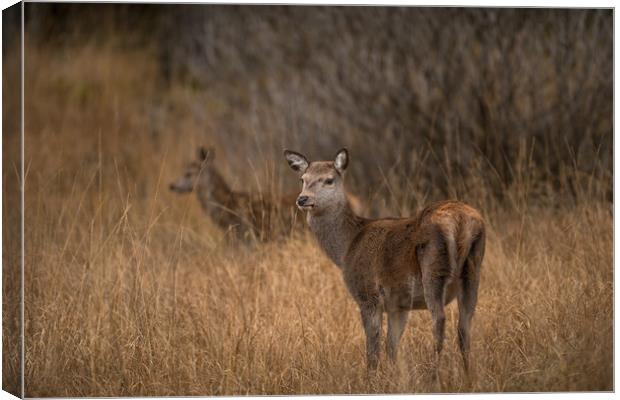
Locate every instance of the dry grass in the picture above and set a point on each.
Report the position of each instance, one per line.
(130, 290)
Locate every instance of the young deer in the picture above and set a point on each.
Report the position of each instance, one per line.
(394, 265)
(241, 212)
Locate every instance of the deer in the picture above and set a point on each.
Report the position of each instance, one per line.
(246, 215)
(395, 265)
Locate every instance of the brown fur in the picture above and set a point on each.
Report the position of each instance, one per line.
(394, 265)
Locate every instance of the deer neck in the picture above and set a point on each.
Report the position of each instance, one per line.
(213, 192)
(335, 230)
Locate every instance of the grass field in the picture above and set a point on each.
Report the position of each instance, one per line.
(131, 290)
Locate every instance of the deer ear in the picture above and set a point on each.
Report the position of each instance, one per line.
(296, 161)
(341, 160)
(204, 153)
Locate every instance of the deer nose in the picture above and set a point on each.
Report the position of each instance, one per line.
(301, 200)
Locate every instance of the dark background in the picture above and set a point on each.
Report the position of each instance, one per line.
(432, 93)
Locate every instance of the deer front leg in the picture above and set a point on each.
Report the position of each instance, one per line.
(372, 319)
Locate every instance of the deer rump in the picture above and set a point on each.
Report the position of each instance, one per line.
(384, 261)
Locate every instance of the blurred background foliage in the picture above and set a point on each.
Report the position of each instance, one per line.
(440, 101)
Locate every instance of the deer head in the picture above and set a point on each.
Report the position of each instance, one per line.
(194, 171)
(322, 182)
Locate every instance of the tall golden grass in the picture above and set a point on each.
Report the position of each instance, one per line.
(131, 290)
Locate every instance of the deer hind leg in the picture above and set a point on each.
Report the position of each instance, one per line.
(397, 321)
(468, 297)
(434, 260)
(372, 318)
(434, 289)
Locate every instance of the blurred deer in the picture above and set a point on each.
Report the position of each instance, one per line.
(394, 265)
(259, 215)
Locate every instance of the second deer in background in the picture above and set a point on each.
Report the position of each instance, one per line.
(248, 215)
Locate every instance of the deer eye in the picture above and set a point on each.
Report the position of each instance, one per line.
(329, 181)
